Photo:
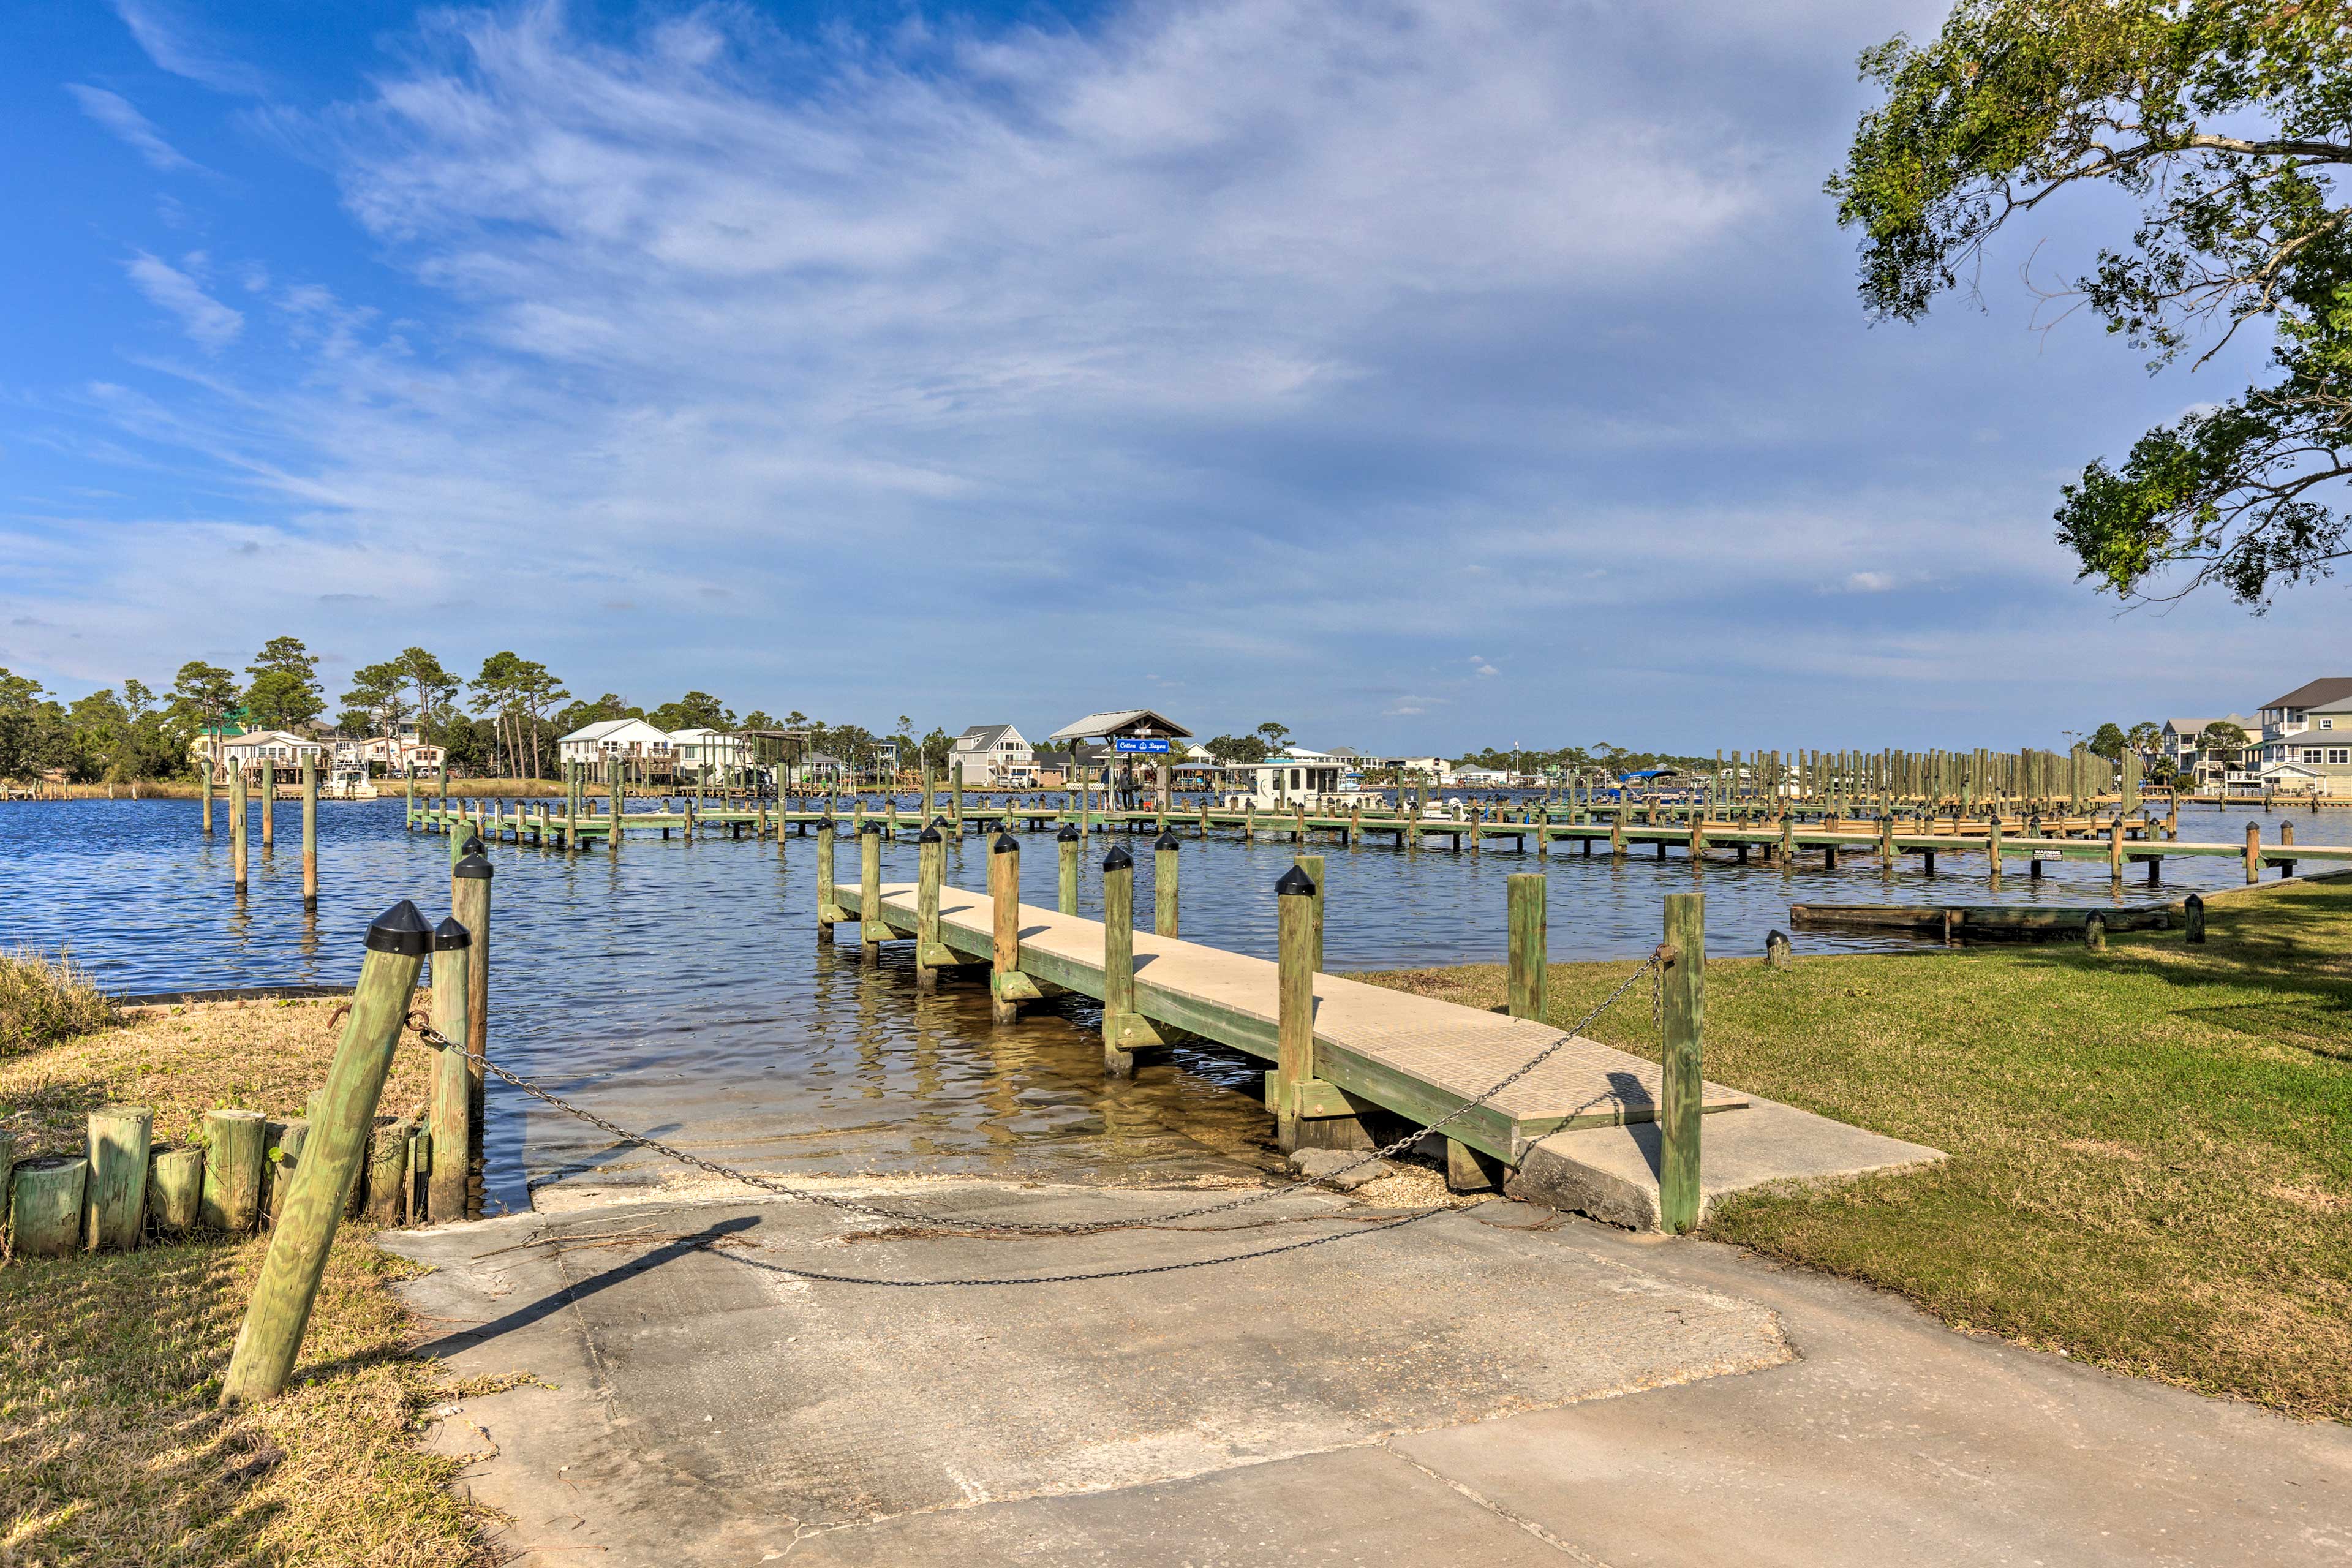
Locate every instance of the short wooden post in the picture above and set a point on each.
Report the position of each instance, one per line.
(931, 869)
(2193, 915)
(1293, 1001)
(871, 928)
(232, 1196)
(1065, 846)
(272, 1335)
(281, 1156)
(825, 889)
(1119, 958)
(1164, 884)
(176, 1182)
(470, 906)
(44, 1197)
(309, 832)
(268, 805)
(236, 830)
(1313, 865)
(2095, 932)
(387, 1171)
(1004, 895)
(1530, 918)
(2253, 852)
(1683, 987)
(114, 1197)
(451, 1112)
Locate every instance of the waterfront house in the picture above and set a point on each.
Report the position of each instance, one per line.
(993, 756)
(2306, 747)
(2203, 766)
(640, 748)
(255, 747)
(707, 755)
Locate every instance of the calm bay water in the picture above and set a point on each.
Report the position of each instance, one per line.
(677, 987)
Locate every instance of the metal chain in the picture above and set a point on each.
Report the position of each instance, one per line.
(434, 1038)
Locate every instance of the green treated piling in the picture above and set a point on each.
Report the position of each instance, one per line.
(232, 1194)
(272, 1335)
(470, 906)
(45, 1201)
(450, 1116)
(1164, 884)
(1065, 846)
(175, 1185)
(115, 1196)
(1683, 1002)
(1118, 959)
(1530, 917)
(931, 870)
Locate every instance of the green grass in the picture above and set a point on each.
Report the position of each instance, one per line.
(2151, 1150)
(113, 1448)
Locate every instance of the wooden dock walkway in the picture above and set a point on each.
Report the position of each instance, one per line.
(2120, 841)
(1416, 1056)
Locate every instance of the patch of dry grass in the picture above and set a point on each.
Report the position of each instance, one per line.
(111, 1447)
(43, 1000)
(2151, 1150)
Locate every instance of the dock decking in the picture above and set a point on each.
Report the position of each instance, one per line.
(1414, 1055)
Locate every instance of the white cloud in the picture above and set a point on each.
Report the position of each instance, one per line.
(178, 45)
(1872, 582)
(1485, 670)
(210, 323)
(135, 129)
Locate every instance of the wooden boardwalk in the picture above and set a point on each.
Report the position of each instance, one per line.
(1414, 1055)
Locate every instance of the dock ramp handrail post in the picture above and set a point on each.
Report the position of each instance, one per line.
(1295, 1001)
(1119, 960)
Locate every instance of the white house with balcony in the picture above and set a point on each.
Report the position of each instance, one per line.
(2306, 745)
(255, 747)
(631, 742)
(2194, 757)
(707, 755)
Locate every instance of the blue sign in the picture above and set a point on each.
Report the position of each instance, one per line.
(1140, 744)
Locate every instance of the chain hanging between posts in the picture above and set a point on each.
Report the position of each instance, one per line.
(434, 1038)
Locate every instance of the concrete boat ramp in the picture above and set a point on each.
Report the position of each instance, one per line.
(1492, 1384)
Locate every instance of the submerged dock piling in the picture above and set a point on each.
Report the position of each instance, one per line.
(310, 832)
(871, 928)
(931, 870)
(1119, 959)
(1005, 894)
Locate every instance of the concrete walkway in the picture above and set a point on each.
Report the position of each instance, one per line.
(1497, 1385)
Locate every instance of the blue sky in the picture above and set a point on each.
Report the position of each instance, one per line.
(1422, 373)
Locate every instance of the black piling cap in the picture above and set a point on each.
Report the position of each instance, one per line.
(1167, 839)
(449, 936)
(2194, 903)
(1069, 833)
(928, 836)
(473, 867)
(1776, 939)
(1005, 845)
(871, 827)
(1295, 884)
(474, 844)
(938, 822)
(402, 930)
(1118, 859)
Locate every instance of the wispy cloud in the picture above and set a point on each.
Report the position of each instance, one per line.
(180, 46)
(115, 112)
(205, 319)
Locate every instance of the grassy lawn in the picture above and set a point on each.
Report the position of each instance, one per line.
(2151, 1150)
(111, 1447)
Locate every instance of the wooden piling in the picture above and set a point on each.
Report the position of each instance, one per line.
(387, 1171)
(1164, 884)
(1529, 919)
(931, 870)
(1065, 846)
(824, 894)
(114, 1193)
(236, 830)
(470, 906)
(1005, 894)
(309, 832)
(2193, 917)
(2253, 852)
(232, 1191)
(45, 1203)
(1776, 950)
(271, 1334)
(2095, 932)
(1119, 959)
(175, 1184)
(268, 805)
(1313, 865)
(871, 928)
(205, 780)
(450, 1111)
(1295, 1000)
(1683, 1002)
